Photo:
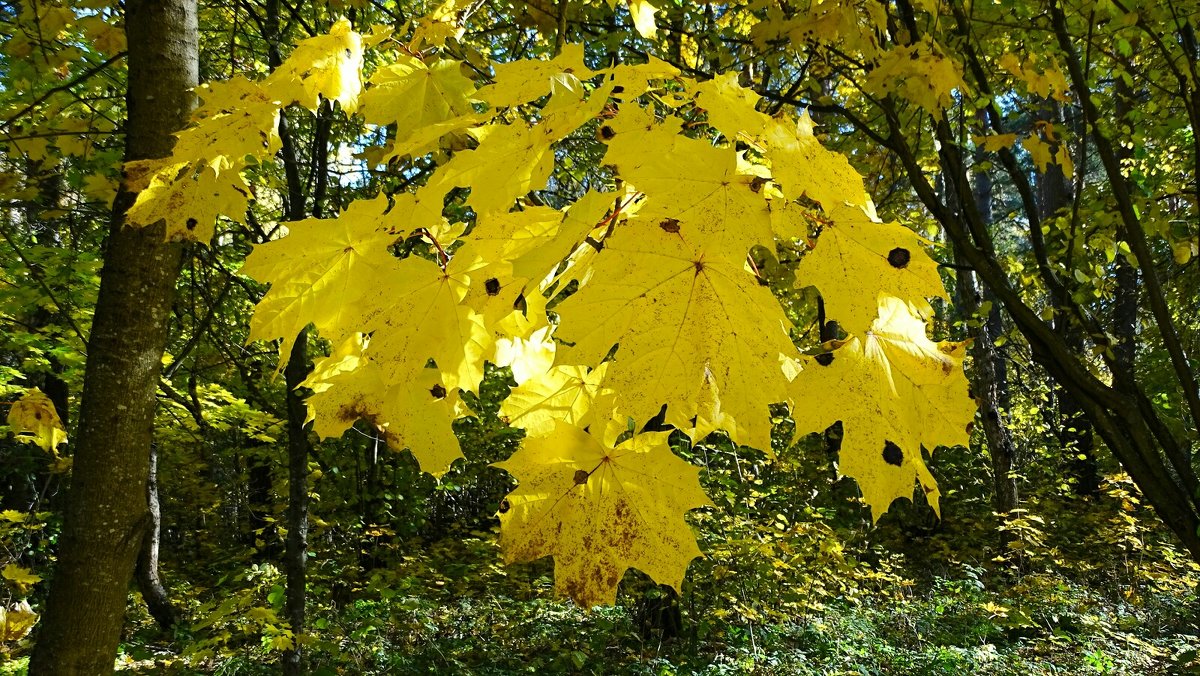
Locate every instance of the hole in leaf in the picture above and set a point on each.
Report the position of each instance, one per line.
(492, 286)
(438, 392)
(505, 505)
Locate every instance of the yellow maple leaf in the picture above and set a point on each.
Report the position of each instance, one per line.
(637, 79)
(413, 95)
(1044, 153)
(994, 142)
(441, 24)
(415, 414)
(422, 140)
(855, 259)
(731, 107)
(600, 510)
(802, 166)
(1048, 83)
(921, 73)
(102, 35)
(327, 65)
(527, 356)
(524, 339)
(563, 394)
(415, 314)
(319, 271)
(896, 391)
(33, 419)
(188, 197)
(678, 308)
(523, 81)
(690, 185)
(238, 119)
(16, 621)
(642, 14)
(23, 578)
(513, 159)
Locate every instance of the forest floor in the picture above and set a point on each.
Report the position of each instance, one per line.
(1098, 589)
(451, 608)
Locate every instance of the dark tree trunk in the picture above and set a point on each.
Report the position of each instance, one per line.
(259, 506)
(989, 375)
(295, 558)
(658, 614)
(1075, 432)
(106, 514)
(154, 593)
(299, 446)
(1125, 306)
(989, 378)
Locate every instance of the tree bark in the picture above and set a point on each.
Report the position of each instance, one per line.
(989, 378)
(295, 558)
(106, 512)
(154, 593)
(1075, 432)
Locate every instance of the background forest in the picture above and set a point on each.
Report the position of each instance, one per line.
(1044, 148)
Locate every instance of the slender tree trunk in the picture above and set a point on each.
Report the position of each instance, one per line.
(295, 558)
(259, 507)
(1075, 431)
(1125, 307)
(989, 377)
(154, 593)
(107, 513)
(299, 447)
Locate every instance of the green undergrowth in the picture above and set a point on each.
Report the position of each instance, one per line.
(450, 608)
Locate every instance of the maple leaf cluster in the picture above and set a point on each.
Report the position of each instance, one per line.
(669, 310)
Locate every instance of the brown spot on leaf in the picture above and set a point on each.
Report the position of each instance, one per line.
(191, 223)
(825, 358)
(505, 505)
(899, 257)
(670, 225)
(351, 412)
(607, 133)
(581, 477)
(892, 454)
(757, 183)
(492, 286)
(438, 391)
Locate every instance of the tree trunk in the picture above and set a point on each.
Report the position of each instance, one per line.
(299, 448)
(295, 558)
(1125, 305)
(154, 593)
(262, 536)
(989, 375)
(106, 512)
(1075, 431)
(989, 378)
